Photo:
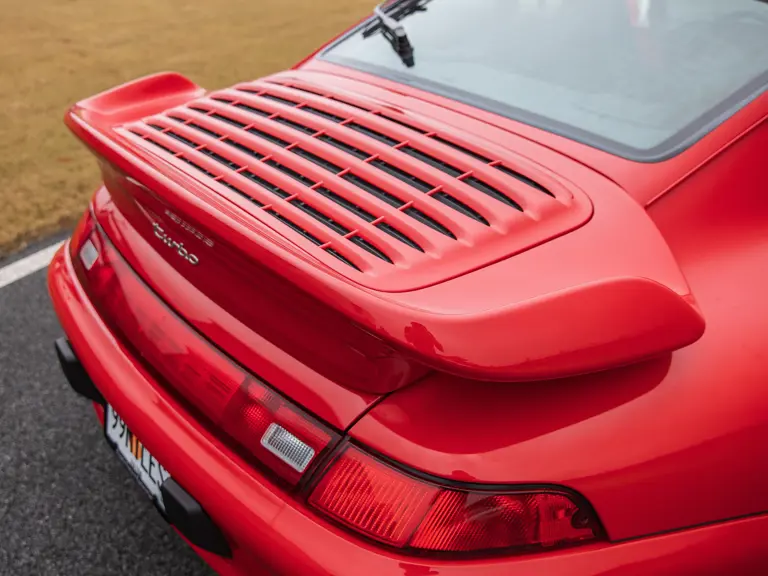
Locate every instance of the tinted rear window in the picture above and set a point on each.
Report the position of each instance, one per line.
(640, 78)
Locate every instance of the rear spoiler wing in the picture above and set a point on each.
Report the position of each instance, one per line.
(569, 306)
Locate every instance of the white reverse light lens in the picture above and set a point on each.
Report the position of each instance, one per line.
(287, 447)
(88, 254)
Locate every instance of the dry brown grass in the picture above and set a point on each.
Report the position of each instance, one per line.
(54, 52)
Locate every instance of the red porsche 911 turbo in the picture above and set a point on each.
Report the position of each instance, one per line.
(479, 288)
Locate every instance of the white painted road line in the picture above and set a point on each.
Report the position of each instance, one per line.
(28, 265)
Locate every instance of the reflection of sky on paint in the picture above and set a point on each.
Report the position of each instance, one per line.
(633, 71)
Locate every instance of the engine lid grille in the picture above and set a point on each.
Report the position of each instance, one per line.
(393, 201)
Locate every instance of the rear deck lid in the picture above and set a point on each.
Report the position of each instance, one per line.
(392, 205)
(370, 243)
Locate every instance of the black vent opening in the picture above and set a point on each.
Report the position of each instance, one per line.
(348, 148)
(372, 134)
(492, 192)
(323, 114)
(346, 204)
(196, 126)
(220, 159)
(322, 218)
(243, 148)
(182, 139)
(402, 175)
(524, 179)
(241, 193)
(370, 248)
(465, 151)
(294, 125)
(295, 227)
(250, 109)
(279, 99)
(228, 120)
(267, 136)
(315, 159)
(338, 256)
(197, 166)
(154, 142)
(459, 206)
(395, 233)
(432, 161)
(428, 221)
(267, 185)
(374, 190)
(290, 172)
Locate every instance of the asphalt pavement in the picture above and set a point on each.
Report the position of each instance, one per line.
(67, 505)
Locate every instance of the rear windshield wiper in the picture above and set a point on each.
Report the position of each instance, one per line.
(393, 31)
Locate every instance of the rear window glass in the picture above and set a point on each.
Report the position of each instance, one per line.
(640, 78)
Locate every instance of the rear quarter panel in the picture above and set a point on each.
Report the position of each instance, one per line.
(669, 443)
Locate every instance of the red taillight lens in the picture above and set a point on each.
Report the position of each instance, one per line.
(373, 498)
(467, 521)
(263, 424)
(392, 507)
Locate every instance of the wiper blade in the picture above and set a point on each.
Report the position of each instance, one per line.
(393, 31)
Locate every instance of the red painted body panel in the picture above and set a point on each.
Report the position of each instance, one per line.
(272, 533)
(664, 283)
(661, 434)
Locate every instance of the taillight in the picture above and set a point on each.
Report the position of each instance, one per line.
(264, 425)
(398, 509)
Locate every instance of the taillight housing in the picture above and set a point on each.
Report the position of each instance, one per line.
(262, 424)
(403, 510)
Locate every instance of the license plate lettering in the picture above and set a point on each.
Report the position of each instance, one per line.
(148, 471)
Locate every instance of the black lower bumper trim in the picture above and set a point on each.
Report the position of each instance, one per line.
(189, 518)
(181, 509)
(76, 375)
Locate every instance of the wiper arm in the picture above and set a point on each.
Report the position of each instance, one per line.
(394, 32)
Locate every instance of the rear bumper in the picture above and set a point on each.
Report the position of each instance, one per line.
(270, 532)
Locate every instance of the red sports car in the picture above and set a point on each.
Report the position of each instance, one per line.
(479, 288)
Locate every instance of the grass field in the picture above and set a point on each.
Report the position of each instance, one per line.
(54, 52)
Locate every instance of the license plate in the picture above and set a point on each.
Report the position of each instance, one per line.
(146, 469)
